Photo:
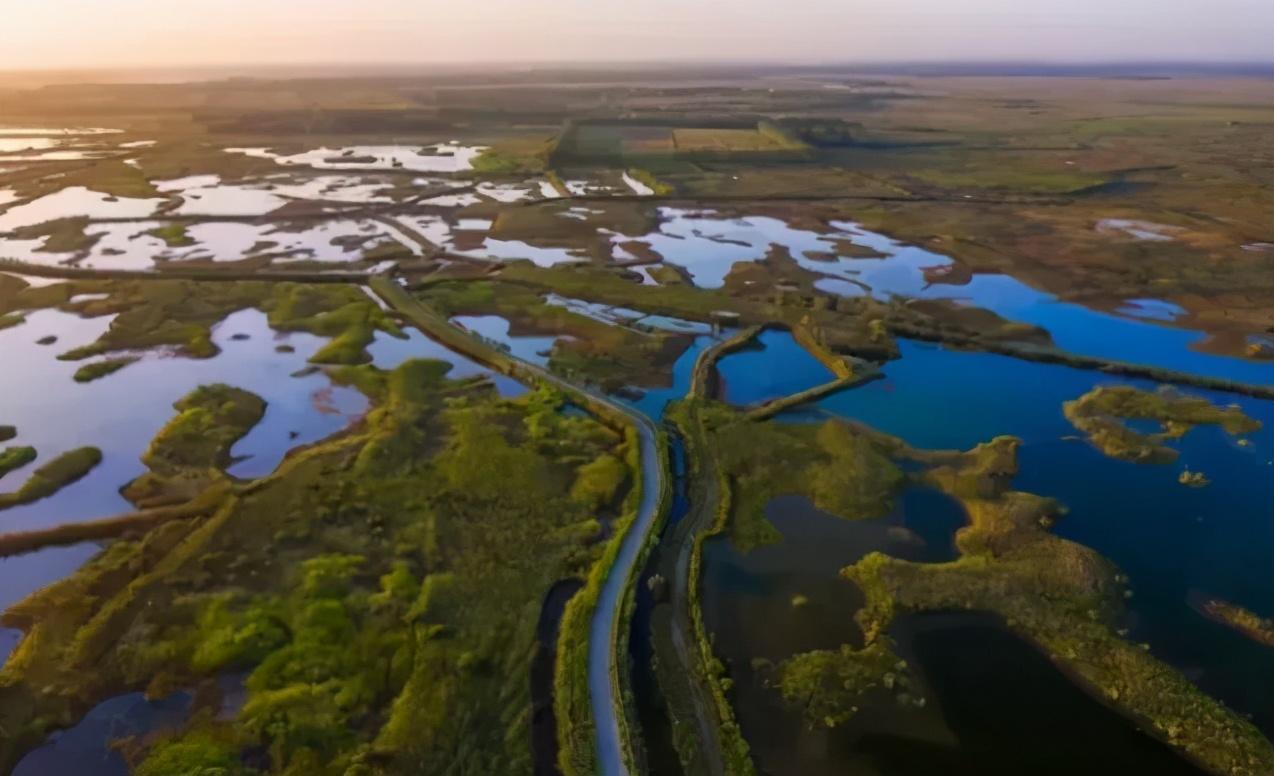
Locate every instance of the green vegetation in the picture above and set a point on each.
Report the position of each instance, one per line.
(195, 754)
(53, 476)
(382, 589)
(7, 432)
(515, 156)
(12, 458)
(109, 176)
(1101, 414)
(843, 471)
(695, 141)
(187, 454)
(588, 350)
(174, 235)
(613, 141)
(11, 320)
(98, 369)
(1257, 628)
(1011, 179)
(62, 235)
(831, 685)
(181, 314)
(599, 481)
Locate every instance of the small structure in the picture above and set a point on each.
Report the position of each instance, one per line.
(724, 319)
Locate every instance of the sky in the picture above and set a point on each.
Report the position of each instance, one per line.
(51, 34)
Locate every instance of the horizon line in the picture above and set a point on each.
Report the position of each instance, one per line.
(906, 66)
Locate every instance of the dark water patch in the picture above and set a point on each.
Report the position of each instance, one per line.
(995, 706)
(85, 750)
(659, 750)
(1119, 188)
(543, 664)
(788, 598)
(774, 367)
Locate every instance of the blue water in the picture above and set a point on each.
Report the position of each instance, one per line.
(709, 246)
(1078, 329)
(774, 367)
(1177, 545)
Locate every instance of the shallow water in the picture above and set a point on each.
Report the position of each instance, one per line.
(439, 158)
(389, 352)
(637, 186)
(120, 413)
(13, 144)
(130, 246)
(1152, 309)
(76, 201)
(207, 195)
(495, 329)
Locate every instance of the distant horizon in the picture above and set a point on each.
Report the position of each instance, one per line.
(145, 34)
(1007, 67)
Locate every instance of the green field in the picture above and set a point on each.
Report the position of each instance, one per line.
(615, 140)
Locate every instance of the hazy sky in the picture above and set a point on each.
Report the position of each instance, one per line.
(77, 33)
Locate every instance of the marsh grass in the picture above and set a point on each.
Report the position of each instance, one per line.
(12, 458)
(1102, 415)
(99, 369)
(381, 589)
(53, 476)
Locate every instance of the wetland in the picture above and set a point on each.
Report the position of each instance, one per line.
(506, 435)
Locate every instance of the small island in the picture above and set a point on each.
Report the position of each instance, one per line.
(1103, 415)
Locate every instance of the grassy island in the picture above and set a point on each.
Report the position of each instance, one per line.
(99, 369)
(1102, 415)
(15, 458)
(1257, 628)
(53, 476)
(187, 454)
